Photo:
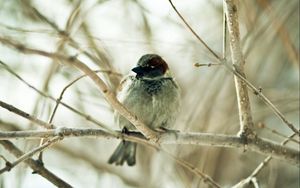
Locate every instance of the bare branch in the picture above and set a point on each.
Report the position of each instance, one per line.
(263, 126)
(194, 33)
(255, 144)
(71, 132)
(246, 122)
(25, 115)
(58, 101)
(259, 145)
(35, 165)
(208, 64)
(30, 154)
(224, 47)
(260, 167)
(260, 94)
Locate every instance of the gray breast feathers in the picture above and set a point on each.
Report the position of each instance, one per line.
(155, 102)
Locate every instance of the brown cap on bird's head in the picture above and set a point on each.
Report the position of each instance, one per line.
(151, 66)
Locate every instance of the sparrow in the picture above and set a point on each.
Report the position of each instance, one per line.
(153, 96)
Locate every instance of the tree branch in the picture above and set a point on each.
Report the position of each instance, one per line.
(30, 154)
(256, 144)
(194, 33)
(134, 136)
(260, 94)
(35, 165)
(31, 118)
(246, 122)
(263, 164)
(69, 85)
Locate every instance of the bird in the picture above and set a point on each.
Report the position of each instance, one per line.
(153, 96)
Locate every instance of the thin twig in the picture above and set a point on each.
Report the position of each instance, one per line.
(35, 165)
(206, 64)
(58, 100)
(30, 154)
(194, 33)
(224, 34)
(260, 94)
(23, 114)
(263, 126)
(260, 166)
(4, 159)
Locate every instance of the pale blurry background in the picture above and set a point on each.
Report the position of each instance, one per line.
(117, 33)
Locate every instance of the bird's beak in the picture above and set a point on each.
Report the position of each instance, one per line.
(137, 70)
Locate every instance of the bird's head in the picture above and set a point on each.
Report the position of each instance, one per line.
(151, 66)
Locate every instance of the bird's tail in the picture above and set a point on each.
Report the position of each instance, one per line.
(125, 152)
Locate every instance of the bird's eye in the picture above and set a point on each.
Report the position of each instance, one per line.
(152, 67)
